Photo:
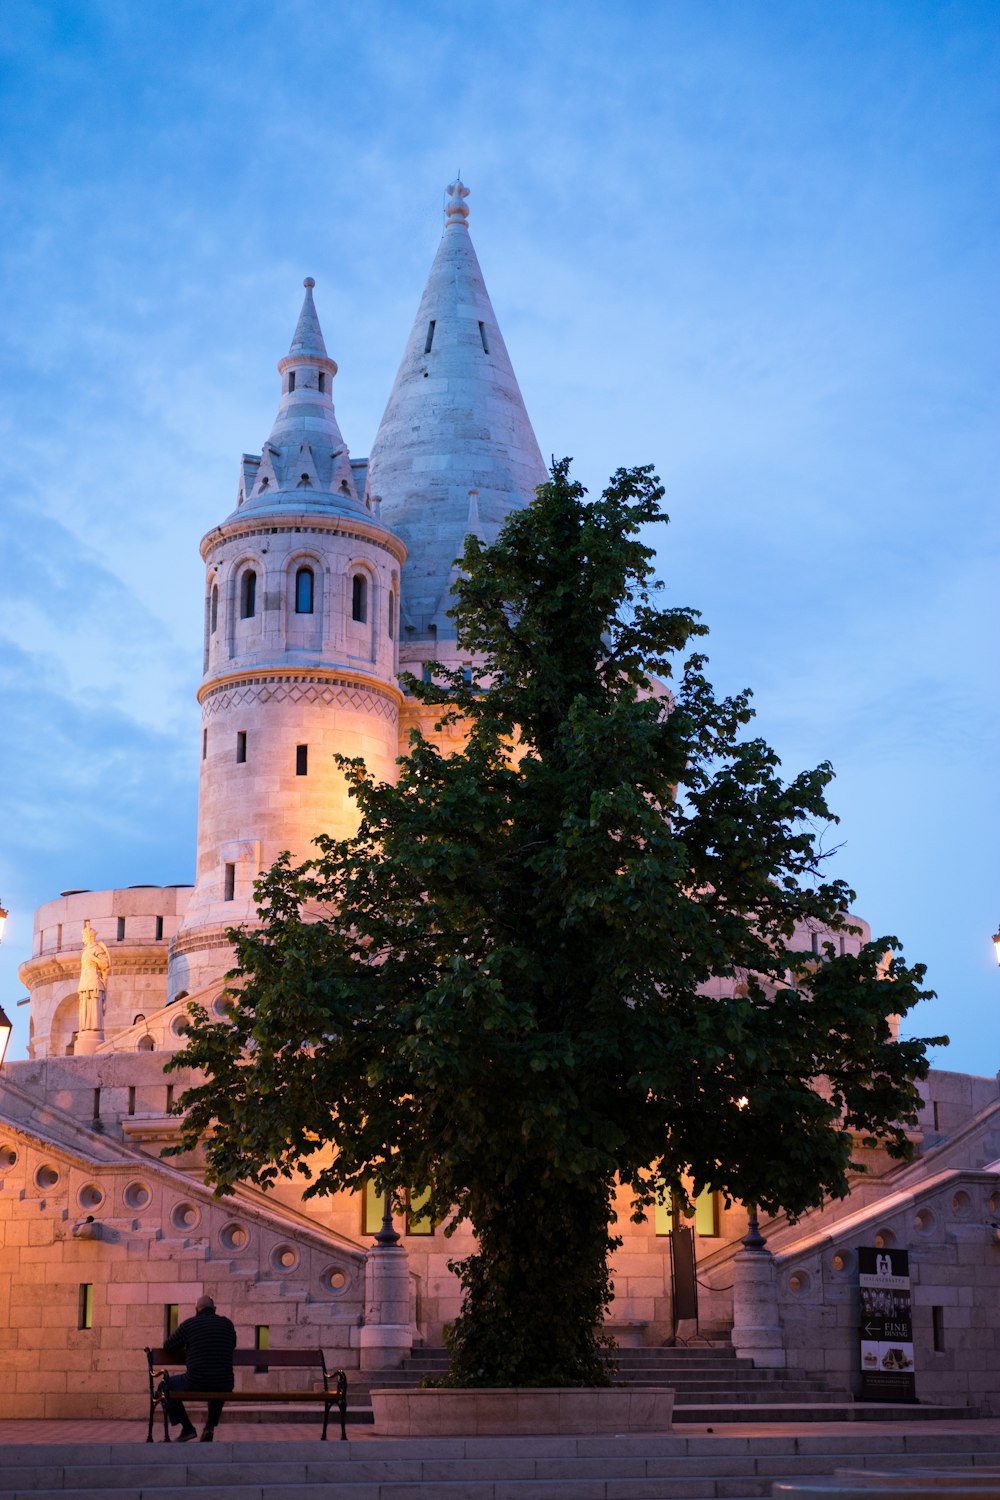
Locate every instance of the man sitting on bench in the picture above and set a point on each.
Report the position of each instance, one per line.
(207, 1342)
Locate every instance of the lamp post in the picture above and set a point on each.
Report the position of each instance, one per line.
(5, 1026)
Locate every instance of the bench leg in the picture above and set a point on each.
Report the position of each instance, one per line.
(152, 1414)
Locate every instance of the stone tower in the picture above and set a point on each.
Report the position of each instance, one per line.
(455, 451)
(302, 596)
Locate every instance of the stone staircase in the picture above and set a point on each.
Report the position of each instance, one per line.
(743, 1467)
(712, 1386)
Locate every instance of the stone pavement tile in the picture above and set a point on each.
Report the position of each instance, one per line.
(14, 1475)
(616, 1488)
(505, 1467)
(483, 1489)
(346, 1490)
(182, 1492)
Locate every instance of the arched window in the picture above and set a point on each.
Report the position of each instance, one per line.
(248, 595)
(392, 614)
(215, 607)
(359, 598)
(304, 591)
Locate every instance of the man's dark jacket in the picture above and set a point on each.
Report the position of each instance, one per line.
(207, 1342)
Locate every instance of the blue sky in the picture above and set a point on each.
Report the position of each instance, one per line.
(753, 243)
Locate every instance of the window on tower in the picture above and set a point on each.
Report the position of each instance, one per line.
(215, 607)
(322, 381)
(302, 760)
(241, 746)
(359, 598)
(248, 595)
(229, 883)
(304, 591)
(392, 614)
(291, 381)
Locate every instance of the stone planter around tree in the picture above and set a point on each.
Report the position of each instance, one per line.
(519, 1411)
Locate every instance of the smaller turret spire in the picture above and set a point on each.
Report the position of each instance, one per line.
(305, 459)
(308, 336)
(456, 210)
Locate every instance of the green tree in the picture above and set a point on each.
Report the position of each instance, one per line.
(561, 958)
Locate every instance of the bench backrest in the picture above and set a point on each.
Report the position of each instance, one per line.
(285, 1359)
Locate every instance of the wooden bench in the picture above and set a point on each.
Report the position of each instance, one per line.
(334, 1392)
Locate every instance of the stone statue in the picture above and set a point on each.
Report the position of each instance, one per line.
(95, 962)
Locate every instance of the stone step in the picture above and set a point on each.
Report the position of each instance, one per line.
(816, 1411)
(579, 1468)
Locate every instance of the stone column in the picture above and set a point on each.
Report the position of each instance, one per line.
(386, 1336)
(757, 1331)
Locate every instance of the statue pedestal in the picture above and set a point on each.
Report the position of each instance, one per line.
(757, 1332)
(386, 1336)
(87, 1042)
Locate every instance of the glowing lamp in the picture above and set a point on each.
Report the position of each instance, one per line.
(996, 943)
(5, 1030)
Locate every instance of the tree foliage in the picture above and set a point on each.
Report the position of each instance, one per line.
(562, 958)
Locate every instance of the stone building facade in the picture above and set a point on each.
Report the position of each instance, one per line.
(329, 577)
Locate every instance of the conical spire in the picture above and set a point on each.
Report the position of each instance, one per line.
(305, 462)
(308, 336)
(455, 422)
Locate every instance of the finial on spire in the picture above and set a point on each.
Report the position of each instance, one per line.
(309, 283)
(456, 210)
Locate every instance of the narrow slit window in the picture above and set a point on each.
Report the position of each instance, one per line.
(937, 1324)
(229, 883)
(121, 929)
(215, 607)
(291, 381)
(171, 1318)
(359, 598)
(241, 746)
(97, 1104)
(304, 582)
(85, 1317)
(204, 744)
(262, 1341)
(248, 595)
(482, 335)
(430, 336)
(170, 1097)
(159, 929)
(392, 615)
(302, 760)
(131, 1099)
(322, 381)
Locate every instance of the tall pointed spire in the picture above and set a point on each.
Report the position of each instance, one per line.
(308, 336)
(305, 461)
(455, 422)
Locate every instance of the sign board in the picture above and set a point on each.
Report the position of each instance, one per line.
(888, 1372)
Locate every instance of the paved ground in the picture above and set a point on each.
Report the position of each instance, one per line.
(108, 1431)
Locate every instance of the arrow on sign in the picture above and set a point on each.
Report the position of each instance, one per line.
(871, 1332)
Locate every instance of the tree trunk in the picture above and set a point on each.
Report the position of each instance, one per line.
(537, 1290)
